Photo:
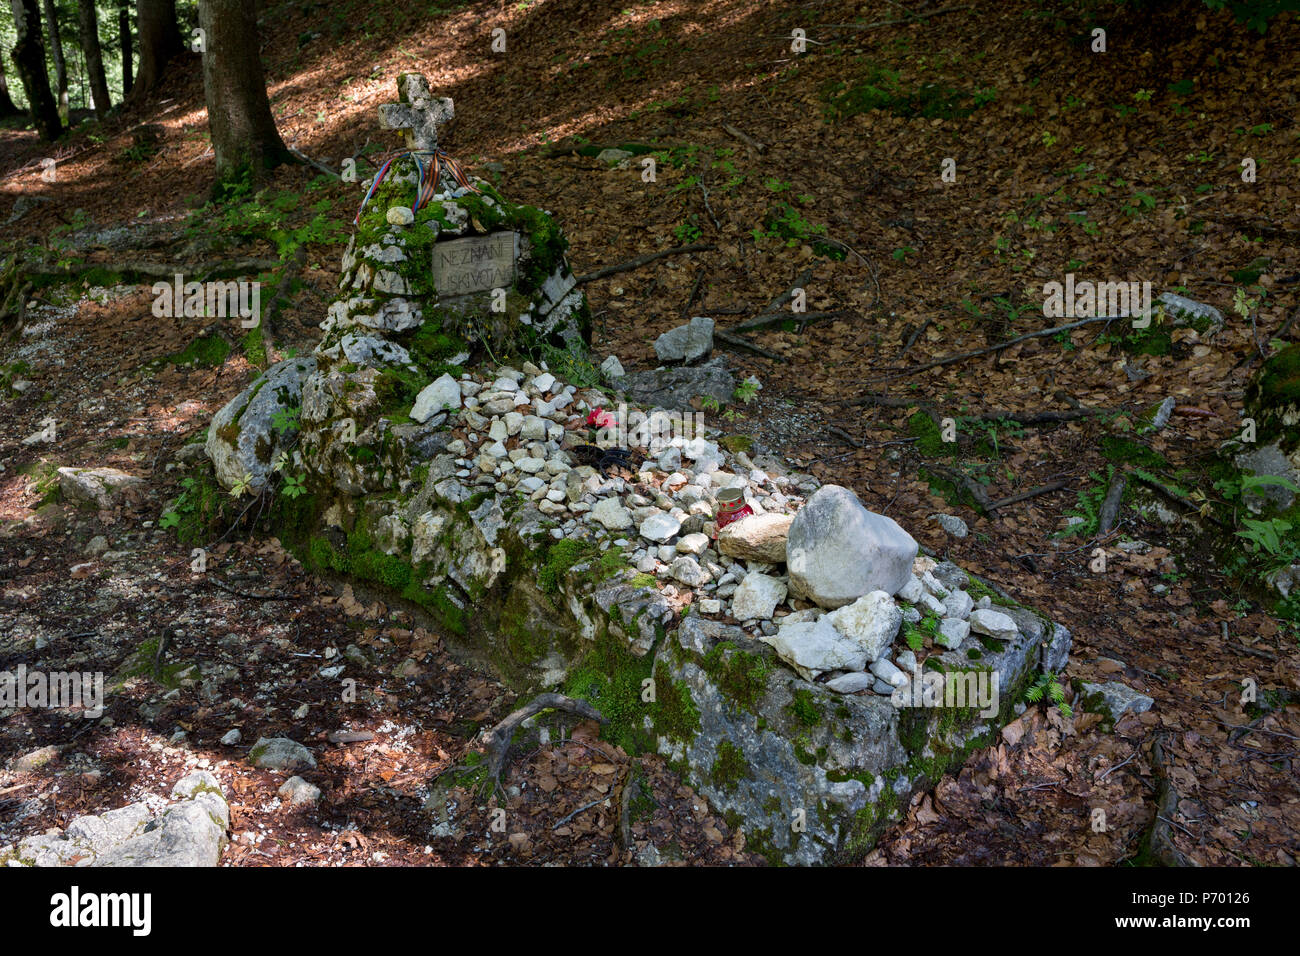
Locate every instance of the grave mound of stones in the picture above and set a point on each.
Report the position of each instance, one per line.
(804, 667)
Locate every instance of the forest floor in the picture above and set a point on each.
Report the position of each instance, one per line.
(1117, 165)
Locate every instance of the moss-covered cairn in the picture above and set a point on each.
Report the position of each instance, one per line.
(763, 660)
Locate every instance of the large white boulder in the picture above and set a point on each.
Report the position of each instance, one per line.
(838, 551)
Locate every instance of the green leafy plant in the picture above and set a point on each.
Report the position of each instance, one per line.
(746, 392)
(293, 486)
(1049, 686)
(285, 420)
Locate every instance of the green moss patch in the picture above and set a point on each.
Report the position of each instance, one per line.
(207, 351)
(729, 768)
(740, 675)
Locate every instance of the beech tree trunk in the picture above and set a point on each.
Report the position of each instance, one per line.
(60, 64)
(239, 113)
(159, 37)
(124, 40)
(88, 22)
(29, 58)
(7, 105)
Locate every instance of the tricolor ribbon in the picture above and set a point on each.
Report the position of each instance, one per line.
(430, 169)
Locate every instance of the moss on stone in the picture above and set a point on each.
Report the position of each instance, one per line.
(729, 767)
(741, 676)
(612, 680)
(804, 709)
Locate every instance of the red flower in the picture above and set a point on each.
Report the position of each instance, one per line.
(601, 419)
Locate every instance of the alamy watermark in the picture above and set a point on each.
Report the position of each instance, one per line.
(59, 690)
(215, 299)
(1085, 299)
(977, 689)
(637, 429)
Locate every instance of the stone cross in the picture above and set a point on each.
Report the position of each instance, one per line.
(419, 112)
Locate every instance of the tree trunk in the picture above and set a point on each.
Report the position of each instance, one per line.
(88, 21)
(124, 40)
(160, 42)
(56, 52)
(239, 113)
(7, 105)
(29, 58)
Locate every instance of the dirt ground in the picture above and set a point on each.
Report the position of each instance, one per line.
(1117, 165)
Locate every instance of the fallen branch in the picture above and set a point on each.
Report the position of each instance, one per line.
(213, 579)
(915, 17)
(1026, 495)
(695, 293)
(1178, 499)
(962, 356)
(775, 305)
(747, 140)
(1161, 838)
(311, 162)
(646, 259)
(775, 318)
(586, 806)
(973, 488)
(737, 344)
(1110, 504)
(1020, 418)
(497, 741)
(160, 270)
(907, 346)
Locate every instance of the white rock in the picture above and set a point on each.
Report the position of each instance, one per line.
(993, 623)
(816, 647)
(886, 671)
(687, 570)
(871, 622)
(443, 392)
(912, 590)
(952, 631)
(296, 790)
(693, 544)
(611, 513)
(934, 585)
(612, 367)
(756, 538)
(850, 683)
(931, 604)
(400, 215)
(533, 429)
(660, 527)
(838, 551)
(757, 597)
(958, 604)
(953, 525)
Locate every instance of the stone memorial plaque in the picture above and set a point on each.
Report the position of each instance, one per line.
(475, 263)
